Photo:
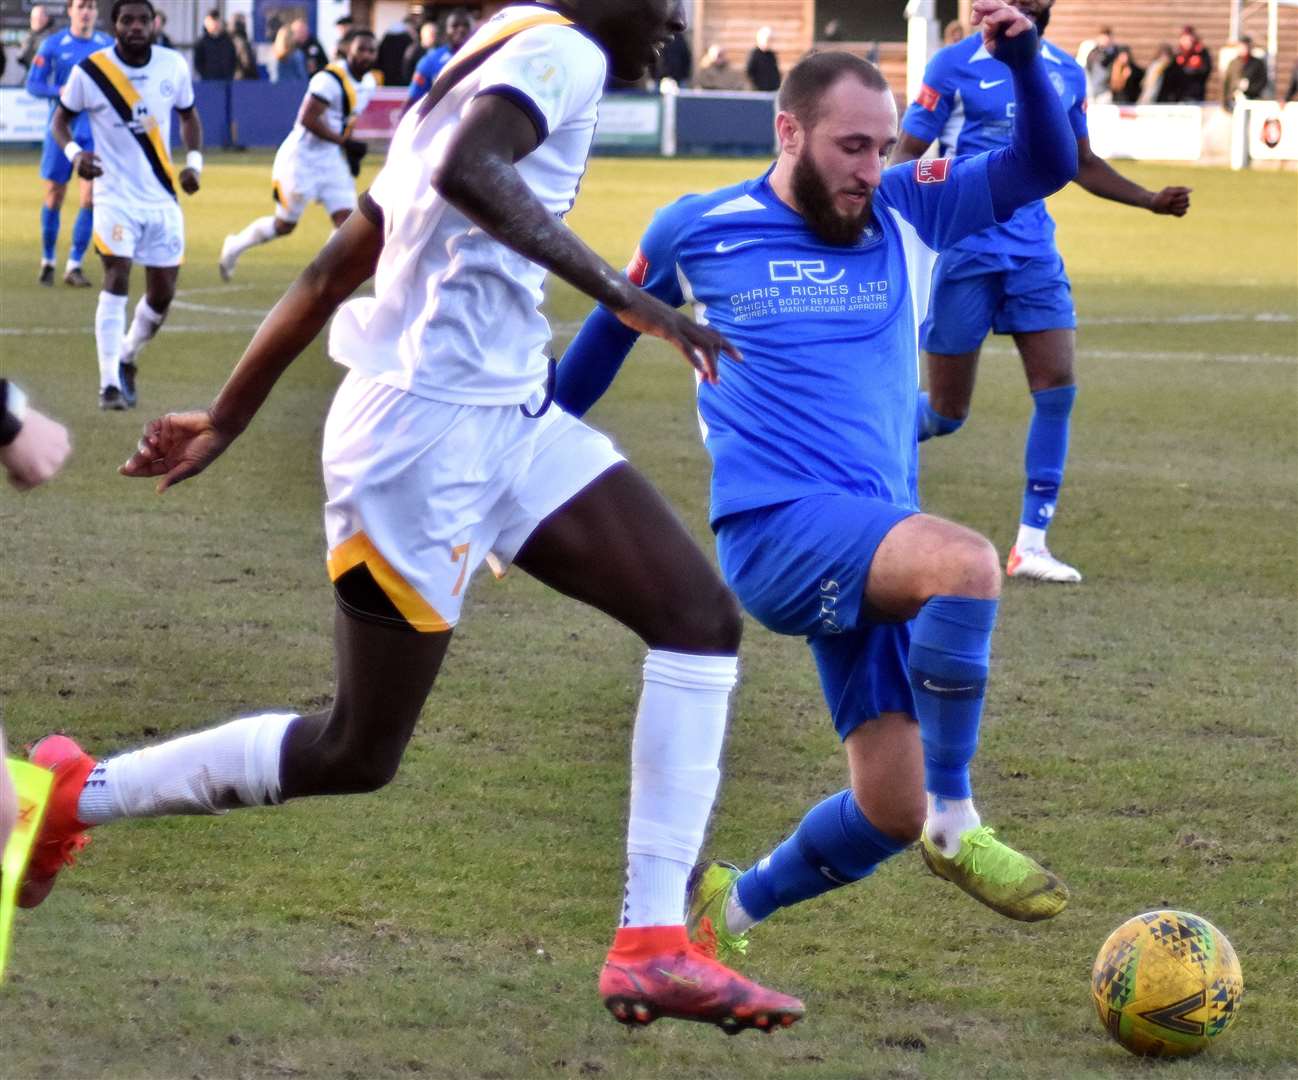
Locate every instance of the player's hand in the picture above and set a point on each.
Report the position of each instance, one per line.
(38, 453)
(999, 20)
(1171, 200)
(86, 165)
(176, 447)
(188, 181)
(700, 345)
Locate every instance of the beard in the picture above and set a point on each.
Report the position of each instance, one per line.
(818, 210)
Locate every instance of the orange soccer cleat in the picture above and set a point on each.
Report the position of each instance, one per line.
(61, 834)
(654, 971)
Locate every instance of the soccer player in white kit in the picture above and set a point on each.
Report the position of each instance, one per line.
(319, 159)
(129, 91)
(443, 450)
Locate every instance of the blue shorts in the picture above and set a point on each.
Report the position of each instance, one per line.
(801, 568)
(975, 291)
(55, 164)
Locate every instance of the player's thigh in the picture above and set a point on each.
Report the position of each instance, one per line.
(926, 556)
(886, 763)
(161, 243)
(950, 381)
(1038, 310)
(290, 204)
(800, 567)
(337, 194)
(591, 527)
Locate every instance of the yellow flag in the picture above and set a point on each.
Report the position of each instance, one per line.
(33, 784)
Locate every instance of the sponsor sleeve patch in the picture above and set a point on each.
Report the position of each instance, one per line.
(637, 271)
(932, 170)
(928, 97)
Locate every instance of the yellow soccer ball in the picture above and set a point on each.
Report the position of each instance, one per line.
(1166, 983)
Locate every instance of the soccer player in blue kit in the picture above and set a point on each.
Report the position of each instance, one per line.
(1010, 278)
(818, 270)
(58, 56)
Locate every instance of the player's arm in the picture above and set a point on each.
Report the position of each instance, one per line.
(419, 82)
(1100, 178)
(180, 445)
(41, 75)
(84, 163)
(312, 117)
(477, 176)
(927, 114)
(191, 134)
(908, 148)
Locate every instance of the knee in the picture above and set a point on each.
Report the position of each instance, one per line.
(1050, 379)
(706, 621)
(967, 566)
(350, 766)
(952, 406)
(283, 228)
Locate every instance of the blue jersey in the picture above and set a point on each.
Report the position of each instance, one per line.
(825, 398)
(967, 104)
(58, 55)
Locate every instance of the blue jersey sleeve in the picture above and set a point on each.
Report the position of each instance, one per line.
(42, 77)
(425, 72)
(944, 199)
(1077, 114)
(592, 361)
(928, 113)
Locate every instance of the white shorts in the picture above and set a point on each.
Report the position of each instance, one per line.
(148, 235)
(296, 184)
(421, 492)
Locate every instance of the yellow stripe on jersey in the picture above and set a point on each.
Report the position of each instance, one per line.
(340, 72)
(125, 100)
(358, 549)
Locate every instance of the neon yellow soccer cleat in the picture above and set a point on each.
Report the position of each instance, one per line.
(708, 890)
(1000, 877)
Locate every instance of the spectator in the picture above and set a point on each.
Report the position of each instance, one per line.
(160, 35)
(41, 27)
(952, 32)
(1159, 86)
(245, 57)
(312, 51)
(1098, 63)
(715, 72)
(457, 30)
(214, 57)
(392, 52)
(833, 31)
(342, 25)
(1246, 74)
(763, 65)
(676, 62)
(290, 64)
(1125, 78)
(1194, 63)
(426, 43)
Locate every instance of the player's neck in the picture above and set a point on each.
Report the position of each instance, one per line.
(134, 59)
(82, 37)
(781, 181)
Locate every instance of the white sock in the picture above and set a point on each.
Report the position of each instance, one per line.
(948, 820)
(71, 264)
(110, 325)
(261, 231)
(209, 772)
(675, 770)
(737, 919)
(143, 326)
(1030, 538)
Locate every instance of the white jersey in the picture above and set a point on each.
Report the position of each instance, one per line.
(345, 98)
(455, 313)
(130, 118)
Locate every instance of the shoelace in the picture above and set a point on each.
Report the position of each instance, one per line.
(988, 857)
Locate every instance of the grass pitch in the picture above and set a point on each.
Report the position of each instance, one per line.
(1139, 731)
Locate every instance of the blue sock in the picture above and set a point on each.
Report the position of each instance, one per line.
(834, 845)
(1045, 454)
(929, 424)
(950, 653)
(49, 233)
(81, 230)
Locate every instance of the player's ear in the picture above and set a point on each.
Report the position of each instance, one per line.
(789, 132)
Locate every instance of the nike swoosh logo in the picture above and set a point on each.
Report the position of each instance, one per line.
(1040, 487)
(983, 84)
(723, 247)
(681, 979)
(945, 689)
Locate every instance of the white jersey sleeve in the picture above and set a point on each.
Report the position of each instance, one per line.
(74, 94)
(553, 73)
(327, 88)
(184, 84)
